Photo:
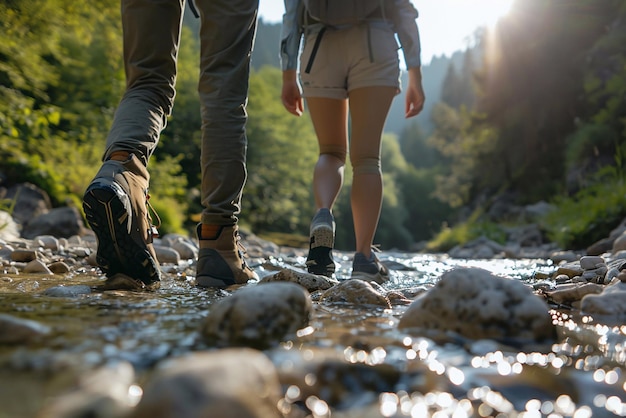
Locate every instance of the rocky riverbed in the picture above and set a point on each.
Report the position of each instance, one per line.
(485, 331)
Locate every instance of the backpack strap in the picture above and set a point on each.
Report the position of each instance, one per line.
(316, 46)
(318, 38)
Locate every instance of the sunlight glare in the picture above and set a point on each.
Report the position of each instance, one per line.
(493, 10)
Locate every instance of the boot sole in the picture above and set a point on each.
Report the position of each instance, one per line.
(320, 261)
(118, 252)
(322, 236)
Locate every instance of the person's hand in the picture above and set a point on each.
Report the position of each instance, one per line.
(414, 98)
(291, 94)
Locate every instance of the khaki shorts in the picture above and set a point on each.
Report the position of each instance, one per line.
(344, 61)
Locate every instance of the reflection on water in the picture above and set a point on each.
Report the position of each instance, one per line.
(583, 375)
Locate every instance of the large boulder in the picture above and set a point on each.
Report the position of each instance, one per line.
(477, 304)
(62, 222)
(29, 201)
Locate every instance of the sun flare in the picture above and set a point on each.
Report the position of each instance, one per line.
(493, 10)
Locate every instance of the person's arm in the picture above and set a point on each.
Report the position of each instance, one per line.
(414, 97)
(291, 35)
(291, 94)
(405, 24)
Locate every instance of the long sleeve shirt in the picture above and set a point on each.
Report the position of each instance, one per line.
(403, 22)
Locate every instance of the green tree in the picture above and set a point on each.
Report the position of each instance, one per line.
(415, 149)
(282, 151)
(531, 87)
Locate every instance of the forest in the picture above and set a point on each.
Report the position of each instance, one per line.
(535, 112)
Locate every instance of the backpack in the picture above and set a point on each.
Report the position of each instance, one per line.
(342, 12)
(334, 13)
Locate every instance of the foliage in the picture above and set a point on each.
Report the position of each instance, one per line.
(531, 88)
(590, 214)
(474, 227)
(467, 152)
(282, 151)
(540, 100)
(171, 213)
(182, 136)
(458, 86)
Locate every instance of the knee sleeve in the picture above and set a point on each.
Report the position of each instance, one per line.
(334, 150)
(368, 165)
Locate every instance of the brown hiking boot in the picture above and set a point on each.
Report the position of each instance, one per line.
(220, 260)
(116, 207)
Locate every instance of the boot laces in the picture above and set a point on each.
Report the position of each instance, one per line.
(153, 228)
(241, 249)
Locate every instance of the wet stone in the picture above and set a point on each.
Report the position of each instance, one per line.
(23, 256)
(59, 267)
(356, 292)
(166, 255)
(37, 266)
(311, 282)
(47, 242)
(477, 304)
(229, 383)
(258, 316)
(67, 291)
(107, 392)
(612, 301)
(185, 250)
(14, 330)
(591, 262)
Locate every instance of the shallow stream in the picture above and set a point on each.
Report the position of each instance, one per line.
(582, 375)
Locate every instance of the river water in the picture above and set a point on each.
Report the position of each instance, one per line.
(581, 375)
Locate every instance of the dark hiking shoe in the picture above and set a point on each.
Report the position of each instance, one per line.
(320, 258)
(116, 207)
(220, 260)
(369, 269)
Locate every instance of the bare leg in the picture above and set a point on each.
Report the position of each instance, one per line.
(369, 107)
(330, 120)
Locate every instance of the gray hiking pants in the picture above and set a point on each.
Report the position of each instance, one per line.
(151, 39)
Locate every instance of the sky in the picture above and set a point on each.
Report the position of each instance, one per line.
(445, 26)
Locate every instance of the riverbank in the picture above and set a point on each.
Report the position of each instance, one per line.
(68, 347)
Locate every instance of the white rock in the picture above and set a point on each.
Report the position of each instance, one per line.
(186, 250)
(48, 242)
(258, 315)
(355, 292)
(477, 304)
(9, 230)
(590, 262)
(166, 255)
(620, 243)
(612, 301)
(311, 282)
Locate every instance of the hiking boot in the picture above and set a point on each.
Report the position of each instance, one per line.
(371, 270)
(116, 208)
(320, 258)
(220, 260)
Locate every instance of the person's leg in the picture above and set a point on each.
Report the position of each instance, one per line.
(151, 35)
(115, 202)
(226, 35)
(330, 120)
(368, 110)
